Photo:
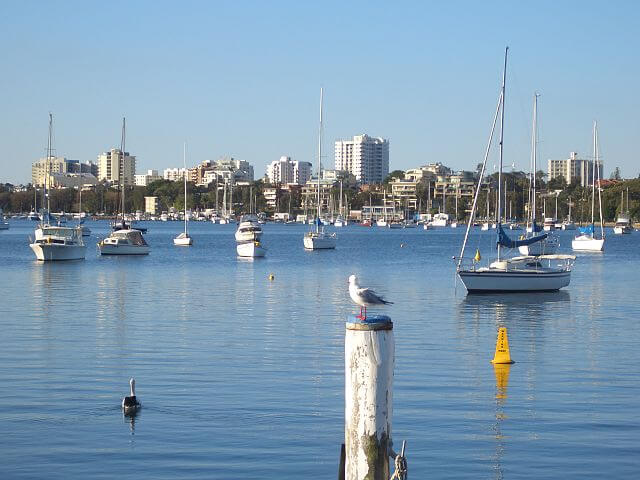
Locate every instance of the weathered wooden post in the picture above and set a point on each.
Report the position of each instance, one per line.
(369, 354)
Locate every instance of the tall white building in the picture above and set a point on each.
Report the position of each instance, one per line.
(114, 164)
(367, 158)
(285, 171)
(174, 174)
(147, 178)
(281, 171)
(573, 169)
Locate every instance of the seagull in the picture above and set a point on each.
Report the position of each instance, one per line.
(131, 404)
(364, 297)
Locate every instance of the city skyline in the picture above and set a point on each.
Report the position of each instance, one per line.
(244, 81)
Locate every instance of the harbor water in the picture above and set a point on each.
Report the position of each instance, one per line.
(242, 377)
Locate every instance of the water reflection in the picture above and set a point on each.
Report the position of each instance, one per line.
(506, 307)
(501, 372)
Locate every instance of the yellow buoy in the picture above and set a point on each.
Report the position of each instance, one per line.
(272, 276)
(502, 354)
(478, 257)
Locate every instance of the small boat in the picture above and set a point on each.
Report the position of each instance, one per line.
(587, 241)
(184, 239)
(317, 238)
(124, 242)
(340, 222)
(381, 222)
(395, 225)
(250, 249)
(623, 222)
(58, 243)
(440, 220)
(365, 223)
(4, 225)
(409, 224)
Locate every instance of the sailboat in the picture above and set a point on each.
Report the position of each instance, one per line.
(382, 222)
(317, 238)
(184, 239)
(86, 231)
(53, 242)
(568, 223)
(515, 274)
(623, 222)
(548, 244)
(127, 240)
(587, 241)
(454, 222)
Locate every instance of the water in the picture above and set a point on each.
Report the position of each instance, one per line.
(242, 377)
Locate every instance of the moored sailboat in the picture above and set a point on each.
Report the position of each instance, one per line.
(184, 239)
(317, 238)
(587, 241)
(515, 274)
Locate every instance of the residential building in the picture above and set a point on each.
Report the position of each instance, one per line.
(281, 171)
(573, 169)
(429, 172)
(59, 165)
(71, 180)
(367, 158)
(151, 205)
(146, 178)
(310, 194)
(222, 170)
(175, 174)
(115, 166)
(301, 172)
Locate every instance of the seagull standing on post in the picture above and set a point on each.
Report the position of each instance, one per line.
(364, 297)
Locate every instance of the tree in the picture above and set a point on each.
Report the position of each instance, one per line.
(392, 175)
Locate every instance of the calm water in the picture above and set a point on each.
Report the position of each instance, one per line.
(241, 377)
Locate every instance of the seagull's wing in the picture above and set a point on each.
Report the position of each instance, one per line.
(371, 297)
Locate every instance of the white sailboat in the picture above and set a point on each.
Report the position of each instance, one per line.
(317, 238)
(515, 274)
(126, 241)
(568, 224)
(548, 245)
(54, 242)
(587, 241)
(623, 222)
(341, 220)
(184, 239)
(382, 222)
(454, 222)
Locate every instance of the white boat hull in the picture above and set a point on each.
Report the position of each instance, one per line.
(250, 249)
(54, 252)
(501, 281)
(586, 243)
(622, 230)
(183, 241)
(381, 223)
(322, 242)
(248, 236)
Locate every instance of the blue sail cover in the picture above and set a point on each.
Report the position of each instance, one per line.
(588, 230)
(318, 222)
(535, 227)
(505, 241)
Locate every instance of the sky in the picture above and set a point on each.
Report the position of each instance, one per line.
(243, 78)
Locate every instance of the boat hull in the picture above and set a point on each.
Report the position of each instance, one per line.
(53, 252)
(585, 243)
(183, 241)
(106, 249)
(501, 281)
(319, 243)
(250, 249)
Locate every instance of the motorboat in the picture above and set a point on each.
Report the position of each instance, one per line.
(381, 222)
(623, 225)
(549, 224)
(251, 249)
(54, 243)
(340, 222)
(410, 224)
(440, 220)
(248, 230)
(124, 242)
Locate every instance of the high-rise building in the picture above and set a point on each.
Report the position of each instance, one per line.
(114, 164)
(573, 169)
(301, 172)
(281, 171)
(367, 158)
(58, 165)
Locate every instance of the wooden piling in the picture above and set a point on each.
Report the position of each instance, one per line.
(369, 363)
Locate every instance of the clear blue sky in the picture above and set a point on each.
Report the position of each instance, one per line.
(242, 79)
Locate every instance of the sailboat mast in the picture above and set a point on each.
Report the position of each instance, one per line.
(184, 163)
(534, 158)
(499, 212)
(319, 157)
(593, 175)
(598, 175)
(121, 166)
(47, 172)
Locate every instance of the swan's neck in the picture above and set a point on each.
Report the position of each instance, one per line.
(133, 388)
